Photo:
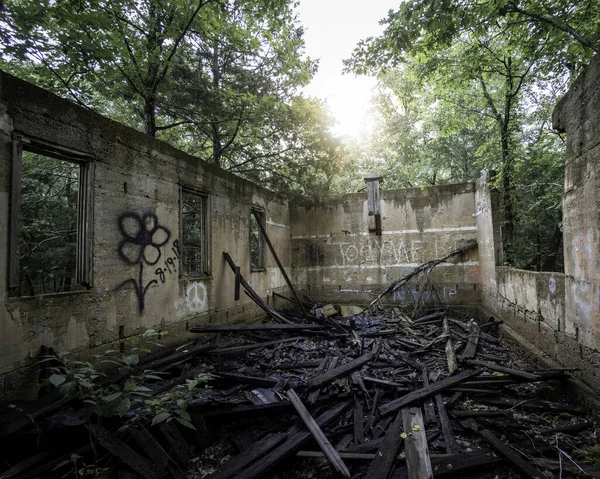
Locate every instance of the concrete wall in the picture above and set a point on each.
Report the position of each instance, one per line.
(557, 314)
(153, 172)
(335, 257)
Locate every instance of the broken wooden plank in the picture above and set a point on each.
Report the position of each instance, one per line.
(253, 380)
(247, 347)
(249, 456)
(358, 419)
(447, 431)
(322, 441)
(253, 295)
(340, 371)
(234, 328)
(178, 447)
(327, 364)
(18, 469)
(427, 391)
(449, 349)
(277, 261)
(471, 347)
(511, 454)
(503, 369)
(121, 450)
(416, 448)
(290, 446)
(154, 451)
(382, 382)
(383, 462)
(455, 465)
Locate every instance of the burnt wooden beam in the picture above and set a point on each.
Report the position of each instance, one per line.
(247, 347)
(416, 448)
(427, 391)
(383, 462)
(503, 369)
(359, 420)
(456, 465)
(447, 431)
(253, 380)
(290, 446)
(511, 454)
(279, 265)
(471, 347)
(154, 451)
(330, 453)
(122, 451)
(234, 328)
(340, 371)
(250, 455)
(253, 295)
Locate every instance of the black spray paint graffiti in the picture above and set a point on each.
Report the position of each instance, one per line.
(142, 239)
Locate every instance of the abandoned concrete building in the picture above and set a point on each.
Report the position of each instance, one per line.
(141, 206)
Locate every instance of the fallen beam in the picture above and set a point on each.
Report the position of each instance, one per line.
(322, 441)
(340, 371)
(289, 447)
(234, 328)
(427, 391)
(416, 448)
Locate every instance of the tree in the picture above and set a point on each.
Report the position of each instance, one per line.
(117, 49)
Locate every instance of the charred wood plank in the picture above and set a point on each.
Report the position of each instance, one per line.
(340, 371)
(471, 347)
(234, 328)
(155, 452)
(290, 446)
(447, 431)
(515, 458)
(244, 379)
(259, 449)
(121, 450)
(427, 391)
(322, 441)
(503, 369)
(416, 448)
(176, 444)
(359, 418)
(253, 295)
(455, 465)
(247, 347)
(18, 469)
(383, 462)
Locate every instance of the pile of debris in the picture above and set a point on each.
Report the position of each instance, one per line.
(371, 395)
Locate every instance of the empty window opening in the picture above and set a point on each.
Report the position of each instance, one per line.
(194, 248)
(50, 226)
(257, 241)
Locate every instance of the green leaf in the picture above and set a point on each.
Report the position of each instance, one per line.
(112, 397)
(131, 359)
(57, 379)
(160, 417)
(185, 423)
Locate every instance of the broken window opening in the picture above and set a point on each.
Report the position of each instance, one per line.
(51, 211)
(194, 234)
(257, 241)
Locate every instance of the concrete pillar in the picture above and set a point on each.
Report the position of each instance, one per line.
(578, 114)
(489, 241)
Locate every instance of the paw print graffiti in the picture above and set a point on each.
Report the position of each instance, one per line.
(143, 238)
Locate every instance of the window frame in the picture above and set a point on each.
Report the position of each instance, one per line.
(85, 206)
(258, 214)
(206, 251)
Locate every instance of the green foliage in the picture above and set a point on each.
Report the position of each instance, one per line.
(131, 398)
(47, 236)
(217, 79)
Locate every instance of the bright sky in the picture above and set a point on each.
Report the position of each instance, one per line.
(332, 30)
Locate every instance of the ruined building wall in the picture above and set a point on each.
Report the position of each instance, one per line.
(134, 180)
(335, 258)
(559, 314)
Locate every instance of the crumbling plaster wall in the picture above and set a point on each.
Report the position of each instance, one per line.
(558, 314)
(134, 175)
(335, 257)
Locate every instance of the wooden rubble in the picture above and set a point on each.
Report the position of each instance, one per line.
(380, 394)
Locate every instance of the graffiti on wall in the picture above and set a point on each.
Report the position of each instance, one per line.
(392, 252)
(142, 239)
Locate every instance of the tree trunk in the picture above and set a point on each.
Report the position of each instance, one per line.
(150, 114)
